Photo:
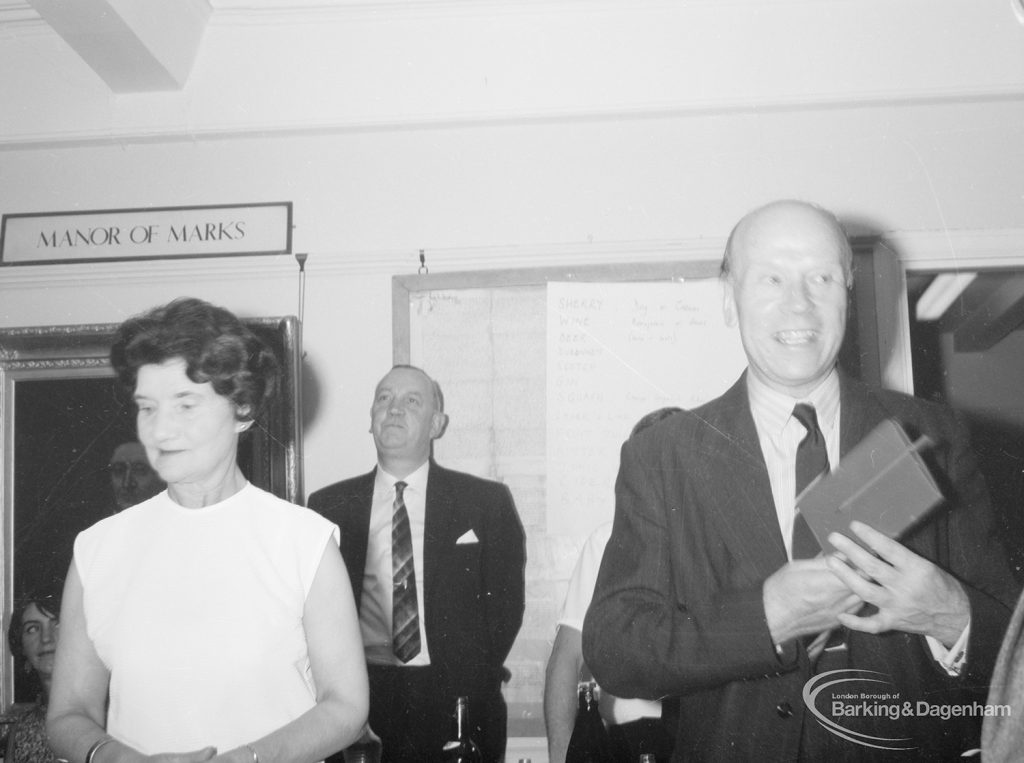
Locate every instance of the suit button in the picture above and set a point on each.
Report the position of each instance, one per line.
(784, 709)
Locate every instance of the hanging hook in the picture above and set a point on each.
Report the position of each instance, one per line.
(423, 264)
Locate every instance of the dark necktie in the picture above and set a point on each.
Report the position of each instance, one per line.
(405, 625)
(811, 460)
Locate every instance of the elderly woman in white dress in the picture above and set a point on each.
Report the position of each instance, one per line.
(218, 618)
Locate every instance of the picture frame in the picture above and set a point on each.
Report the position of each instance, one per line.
(63, 412)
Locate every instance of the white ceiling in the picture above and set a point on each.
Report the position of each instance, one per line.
(940, 85)
(133, 47)
(907, 48)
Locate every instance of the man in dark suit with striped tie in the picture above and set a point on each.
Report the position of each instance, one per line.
(436, 559)
(705, 590)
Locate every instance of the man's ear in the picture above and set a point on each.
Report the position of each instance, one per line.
(729, 303)
(438, 423)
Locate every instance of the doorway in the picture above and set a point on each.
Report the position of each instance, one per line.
(967, 351)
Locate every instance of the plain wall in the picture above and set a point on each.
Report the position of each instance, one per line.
(495, 196)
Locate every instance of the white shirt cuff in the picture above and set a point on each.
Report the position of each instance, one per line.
(953, 659)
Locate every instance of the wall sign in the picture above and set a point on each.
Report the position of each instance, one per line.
(146, 234)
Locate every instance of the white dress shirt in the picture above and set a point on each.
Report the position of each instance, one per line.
(780, 434)
(376, 605)
(615, 710)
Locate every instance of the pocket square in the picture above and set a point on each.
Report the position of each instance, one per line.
(467, 537)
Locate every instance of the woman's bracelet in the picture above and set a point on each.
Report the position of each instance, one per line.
(92, 750)
(255, 757)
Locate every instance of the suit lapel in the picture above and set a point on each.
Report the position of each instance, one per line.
(746, 514)
(859, 413)
(439, 513)
(354, 546)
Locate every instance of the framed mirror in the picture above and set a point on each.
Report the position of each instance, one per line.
(63, 417)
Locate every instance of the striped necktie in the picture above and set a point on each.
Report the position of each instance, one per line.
(405, 621)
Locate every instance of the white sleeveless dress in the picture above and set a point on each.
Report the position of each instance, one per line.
(197, 613)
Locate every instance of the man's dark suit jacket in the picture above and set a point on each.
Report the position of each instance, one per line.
(678, 609)
(473, 593)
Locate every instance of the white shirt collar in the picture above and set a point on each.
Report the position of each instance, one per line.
(772, 410)
(417, 481)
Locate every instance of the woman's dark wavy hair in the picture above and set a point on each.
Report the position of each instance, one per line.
(215, 345)
(48, 603)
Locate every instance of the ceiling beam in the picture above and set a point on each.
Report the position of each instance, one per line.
(994, 318)
(134, 47)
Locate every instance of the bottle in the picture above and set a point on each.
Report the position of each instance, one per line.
(647, 757)
(462, 749)
(366, 749)
(589, 740)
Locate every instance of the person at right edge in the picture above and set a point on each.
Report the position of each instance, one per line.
(705, 592)
(1002, 734)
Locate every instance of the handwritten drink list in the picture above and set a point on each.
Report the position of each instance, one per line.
(616, 351)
